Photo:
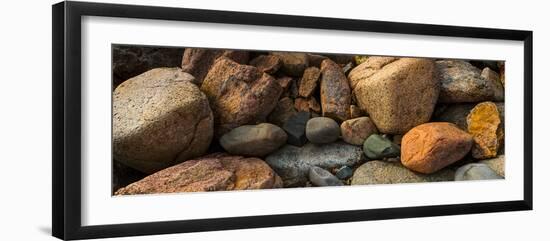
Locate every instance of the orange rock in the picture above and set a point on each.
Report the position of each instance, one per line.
(216, 172)
(483, 123)
(430, 147)
(308, 105)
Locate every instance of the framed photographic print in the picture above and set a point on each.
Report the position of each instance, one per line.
(169, 120)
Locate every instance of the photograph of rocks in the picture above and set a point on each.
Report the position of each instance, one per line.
(198, 119)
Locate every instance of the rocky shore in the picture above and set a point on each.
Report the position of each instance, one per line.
(189, 119)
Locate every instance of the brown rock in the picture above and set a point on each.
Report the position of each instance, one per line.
(335, 91)
(430, 147)
(294, 64)
(367, 68)
(483, 123)
(285, 82)
(198, 61)
(501, 72)
(160, 118)
(253, 140)
(399, 96)
(283, 111)
(462, 82)
(130, 61)
(239, 94)
(308, 105)
(355, 112)
(309, 81)
(267, 63)
(355, 131)
(218, 172)
(315, 59)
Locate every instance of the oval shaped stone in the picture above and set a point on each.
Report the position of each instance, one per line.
(430, 147)
(356, 131)
(321, 177)
(321, 130)
(253, 140)
(378, 147)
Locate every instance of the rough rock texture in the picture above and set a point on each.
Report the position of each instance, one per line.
(308, 105)
(475, 171)
(293, 163)
(335, 91)
(359, 59)
(497, 164)
(462, 82)
(253, 140)
(285, 82)
(160, 118)
(378, 147)
(295, 127)
(366, 67)
(198, 61)
(283, 111)
(483, 124)
(294, 64)
(356, 131)
(399, 96)
(124, 175)
(217, 172)
(321, 130)
(130, 61)
(322, 178)
(309, 81)
(355, 112)
(381, 172)
(267, 63)
(430, 147)
(344, 172)
(239, 94)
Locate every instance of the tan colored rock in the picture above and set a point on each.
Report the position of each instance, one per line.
(483, 123)
(253, 140)
(308, 105)
(383, 172)
(294, 63)
(239, 94)
(198, 61)
(497, 164)
(160, 118)
(218, 172)
(400, 95)
(335, 91)
(309, 81)
(356, 131)
(267, 63)
(430, 147)
(366, 68)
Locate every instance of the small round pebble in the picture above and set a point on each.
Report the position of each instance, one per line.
(322, 130)
(321, 177)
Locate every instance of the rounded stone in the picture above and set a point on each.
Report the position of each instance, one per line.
(382, 172)
(430, 147)
(476, 171)
(321, 177)
(253, 140)
(322, 130)
(356, 131)
(378, 147)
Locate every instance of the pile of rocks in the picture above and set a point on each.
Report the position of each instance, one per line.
(234, 120)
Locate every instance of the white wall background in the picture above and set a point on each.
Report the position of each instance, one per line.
(25, 122)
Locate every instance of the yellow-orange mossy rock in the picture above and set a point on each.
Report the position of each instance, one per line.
(483, 124)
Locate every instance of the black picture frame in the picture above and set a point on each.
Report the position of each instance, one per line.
(66, 128)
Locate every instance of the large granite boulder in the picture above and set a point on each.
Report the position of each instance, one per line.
(400, 95)
(160, 118)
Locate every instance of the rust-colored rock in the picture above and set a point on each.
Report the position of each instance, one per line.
(308, 105)
(335, 91)
(267, 63)
(356, 131)
(400, 95)
(198, 61)
(217, 172)
(309, 81)
(285, 82)
(483, 123)
(430, 147)
(239, 94)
